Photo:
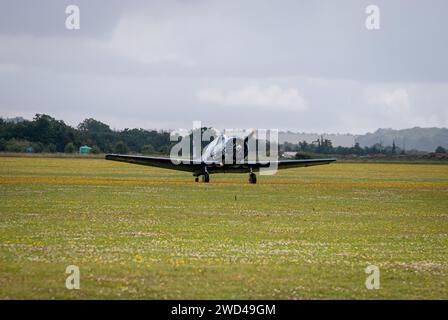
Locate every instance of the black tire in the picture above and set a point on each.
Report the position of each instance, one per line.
(252, 178)
(196, 179)
(205, 177)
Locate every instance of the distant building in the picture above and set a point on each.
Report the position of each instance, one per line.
(84, 149)
(289, 154)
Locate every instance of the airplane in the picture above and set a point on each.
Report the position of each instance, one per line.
(215, 159)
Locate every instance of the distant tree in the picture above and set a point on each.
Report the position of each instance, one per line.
(164, 149)
(323, 145)
(94, 132)
(70, 148)
(357, 149)
(48, 131)
(2, 143)
(301, 156)
(47, 134)
(303, 145)
(121, 147)
(93, 126)
(16, 145)
(147, 149)
(289, 147)
(440, 149)
(95, 150)
(37, 147)
(50, 148)
(394, 147)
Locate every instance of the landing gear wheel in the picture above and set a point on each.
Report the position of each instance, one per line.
(205, 177)
(196, 179)
(252, 178)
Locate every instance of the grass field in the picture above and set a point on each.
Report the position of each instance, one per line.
(139, 232)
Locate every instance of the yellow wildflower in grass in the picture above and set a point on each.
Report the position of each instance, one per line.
(158, 234)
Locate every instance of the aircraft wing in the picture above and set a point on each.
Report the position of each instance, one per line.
(166, 163)
(198, 167)
(285, 164)
(281, 164)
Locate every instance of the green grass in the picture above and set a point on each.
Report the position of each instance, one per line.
(139, 232)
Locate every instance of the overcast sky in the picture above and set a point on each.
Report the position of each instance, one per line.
(301, 65)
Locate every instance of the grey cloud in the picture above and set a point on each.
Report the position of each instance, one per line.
(143, 63)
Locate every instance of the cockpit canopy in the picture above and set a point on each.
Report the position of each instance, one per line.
(224, 149)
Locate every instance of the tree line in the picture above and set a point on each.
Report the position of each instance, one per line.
(46, 134)
(325, 146)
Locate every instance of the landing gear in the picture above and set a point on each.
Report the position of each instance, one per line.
(252, 178)
(204, 174)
